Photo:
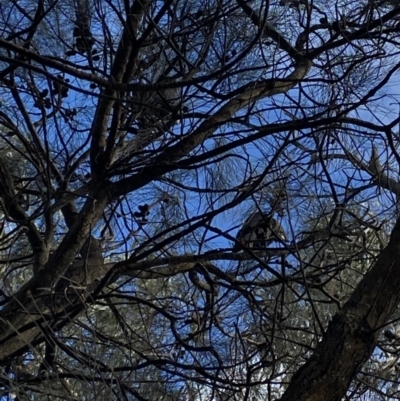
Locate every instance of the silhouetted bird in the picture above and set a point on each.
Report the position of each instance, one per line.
(258, 231)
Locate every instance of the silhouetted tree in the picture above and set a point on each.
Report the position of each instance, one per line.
(140, 140)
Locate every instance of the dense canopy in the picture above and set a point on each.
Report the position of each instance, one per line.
(138, 140)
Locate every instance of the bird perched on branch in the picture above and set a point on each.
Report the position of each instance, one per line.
(258, 231)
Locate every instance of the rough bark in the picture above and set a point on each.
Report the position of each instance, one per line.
(352, 333)
(20, 317)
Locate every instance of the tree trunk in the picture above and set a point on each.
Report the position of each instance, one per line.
(352, 333)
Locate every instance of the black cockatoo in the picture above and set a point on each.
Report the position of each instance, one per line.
(258, 231)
